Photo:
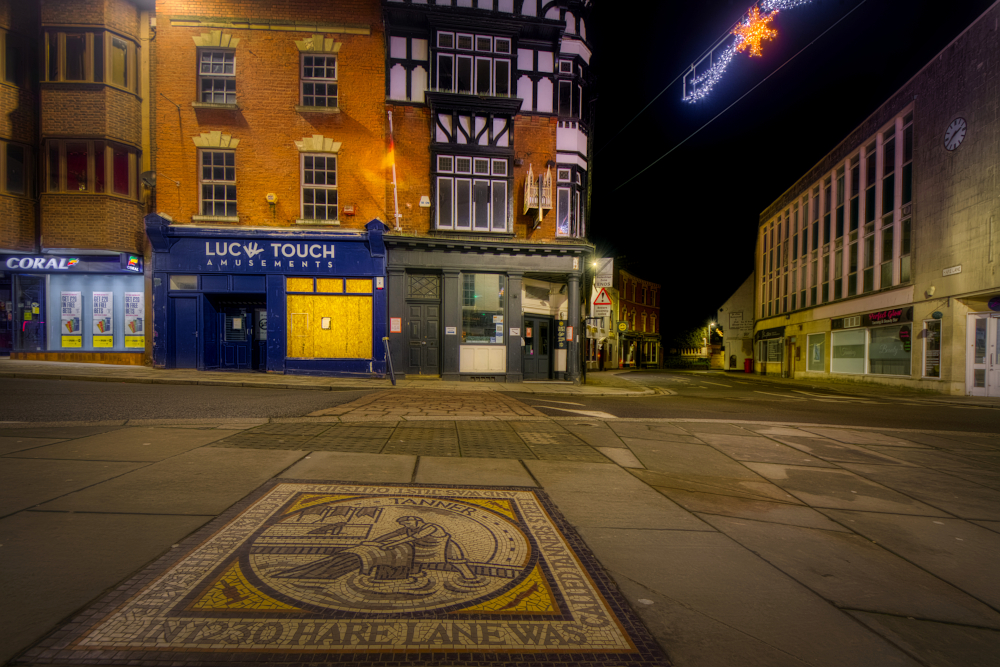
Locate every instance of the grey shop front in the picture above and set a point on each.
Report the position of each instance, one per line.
(485, 311)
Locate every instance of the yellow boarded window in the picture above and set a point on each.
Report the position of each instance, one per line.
(359, 286)
(299, 285)
(329, 327)
(330, 285)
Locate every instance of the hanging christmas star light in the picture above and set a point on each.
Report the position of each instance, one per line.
(752, 29)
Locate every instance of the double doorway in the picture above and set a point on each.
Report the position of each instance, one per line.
(983, 377)
(213, 332)
(536, 353)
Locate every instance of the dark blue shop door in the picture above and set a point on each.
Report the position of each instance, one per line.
(237, 337)
(185, 332)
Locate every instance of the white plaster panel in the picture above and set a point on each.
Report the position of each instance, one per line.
(465, 3)
(546, 61)
(525, 60)
(553, 13)
(418, 49)
(443, 120)
(570, 23)
(484, 140)
(418, 84)
(576, 48)
(466, 124)
(529, 8)
(397, 47)
(570, 158)
(544, 104)
(397, 83)
(486, 4)
(500, 131)
(505, 6)
(482, 359)
(524, 91)
(583, 29)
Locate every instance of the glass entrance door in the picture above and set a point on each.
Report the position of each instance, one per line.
(983, 378)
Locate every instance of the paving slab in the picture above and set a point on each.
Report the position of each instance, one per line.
(719, 428)
(10, 444)
(715, 577)
(945, 491)
(27, 482)
(775, 431)
(692, 638)
(839, 452)
(129, 444)
(57, 431)
(202, 481)
(759, 489)
(823, 487)
(622, 457)
(647, 431)
(934, 459)
(950, 441)
(595, 434)
(502, 472)
(54, 563)
(353, 467)
(764, 450)
(687, 459)
(758, 510)
(939, 644)
(853, 437)
(853, 573)
(596, 494)
(963, 554)
(991, 525)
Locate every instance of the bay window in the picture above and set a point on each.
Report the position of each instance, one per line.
(472, 193)
(473, 63)
(92, 56)
(95, 167)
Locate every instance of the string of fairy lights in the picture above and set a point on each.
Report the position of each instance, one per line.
(746, 35)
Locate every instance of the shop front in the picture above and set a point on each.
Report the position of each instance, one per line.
(73, 307)
(268, 300)
(771, 354)
(876, 343)
(488, 311)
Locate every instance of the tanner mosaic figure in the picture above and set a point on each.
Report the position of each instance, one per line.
(395, 555)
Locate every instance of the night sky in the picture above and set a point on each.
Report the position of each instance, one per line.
(690, 222)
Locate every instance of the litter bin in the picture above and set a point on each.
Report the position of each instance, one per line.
(748, 365)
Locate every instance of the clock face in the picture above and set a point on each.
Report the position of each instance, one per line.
(955, 133)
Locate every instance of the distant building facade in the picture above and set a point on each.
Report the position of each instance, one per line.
(880, 263)
(74, 138)
(736, 320)
(639, 343)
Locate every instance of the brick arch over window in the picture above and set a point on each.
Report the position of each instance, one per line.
(217, 39)
(215, 139)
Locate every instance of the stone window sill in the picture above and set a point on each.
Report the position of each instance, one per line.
(328, 223)
(213, 105)
(302, 109)
(215, 218)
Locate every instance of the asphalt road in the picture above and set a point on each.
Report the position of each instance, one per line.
(695, 395)
(59, 400)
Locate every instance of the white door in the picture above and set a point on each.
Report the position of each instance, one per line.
(983, 361)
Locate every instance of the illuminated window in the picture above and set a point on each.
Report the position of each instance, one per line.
(471, 193)
(97, 167)
(91, 56)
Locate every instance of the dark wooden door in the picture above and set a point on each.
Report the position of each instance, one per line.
(536, 354)
(423, 333)
(236, 339)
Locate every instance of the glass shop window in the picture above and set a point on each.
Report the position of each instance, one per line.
(847, 351)
(889, 350)
(932, 348)
(483, 308)
(815, 344)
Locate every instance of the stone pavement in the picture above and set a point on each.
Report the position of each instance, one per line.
(599, 384)
(736, 543)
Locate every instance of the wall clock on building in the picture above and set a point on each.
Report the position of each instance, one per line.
(955, 134)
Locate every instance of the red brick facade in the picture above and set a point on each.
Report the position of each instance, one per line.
(631, 306)
(266, 123)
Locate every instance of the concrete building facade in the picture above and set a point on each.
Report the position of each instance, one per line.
(880, 263)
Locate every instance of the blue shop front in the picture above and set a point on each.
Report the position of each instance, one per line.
(308, 302)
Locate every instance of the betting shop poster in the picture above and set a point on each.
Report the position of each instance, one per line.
(71, 311)
(103, 319)
(135, 311)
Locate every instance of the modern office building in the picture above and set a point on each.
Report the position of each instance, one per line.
(880, 263)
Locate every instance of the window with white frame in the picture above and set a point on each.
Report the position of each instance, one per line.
(479, 64)
(319, 187)
(319, 80)
(91, 56)
(218, 183)
(216, 76)
(95, 167)
(472, 193)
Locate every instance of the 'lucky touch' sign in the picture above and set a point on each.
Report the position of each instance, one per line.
(235, 254)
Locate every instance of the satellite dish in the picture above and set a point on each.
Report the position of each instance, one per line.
(148, 179)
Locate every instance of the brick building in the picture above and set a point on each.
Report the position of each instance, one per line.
(74, 138)
(880, 263)
(490, 110)
(638, 307)
(271, 186)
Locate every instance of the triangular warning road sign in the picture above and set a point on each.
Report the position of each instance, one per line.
(602, 298)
